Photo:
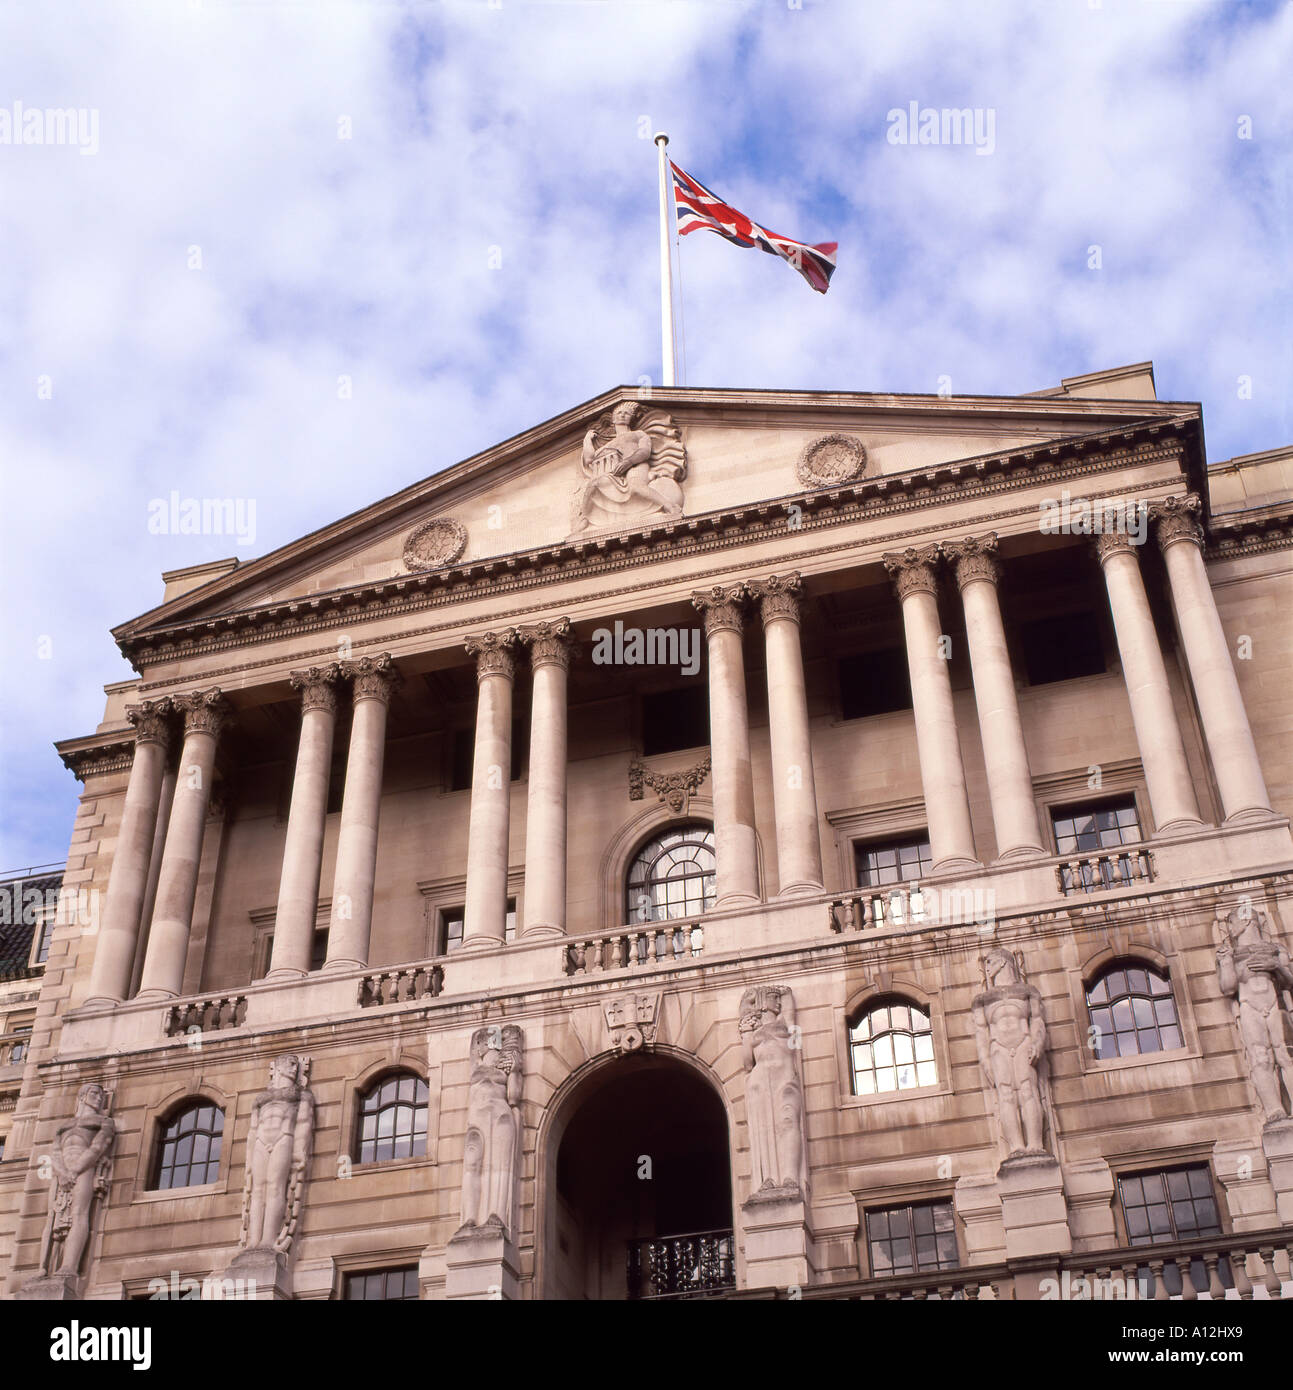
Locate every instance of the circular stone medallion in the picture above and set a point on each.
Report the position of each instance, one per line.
(436, 544)
(831, 460)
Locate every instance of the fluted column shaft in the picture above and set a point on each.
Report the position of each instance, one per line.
(735, 843)
(114, 955)
(485, 914)
(545, 820)
(794, 789)
(372, 682)
(204, 715)
(1216, 688)
(942, 774)
(298, 888)
(1153, 715)
(1010, 781)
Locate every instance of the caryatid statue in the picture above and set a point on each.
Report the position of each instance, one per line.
(80, 1158)
(1253, 971)
(278, 1155)
(1010, 1032)
(774, 1091)
(632, 464)
(493, 1128)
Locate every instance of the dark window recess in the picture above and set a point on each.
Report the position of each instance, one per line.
(675, 719)
(337, 774)
(451, 919)
(1061, 649)
(1170, 1204)
(188, 1152)
(1084, 829)
(911, 1240)
(393, 1119)
(319, 949)
(463, 755)
(874, 683)
(2, 1144)
(387, 1285)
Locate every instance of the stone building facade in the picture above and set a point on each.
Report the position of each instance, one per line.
(714, 843)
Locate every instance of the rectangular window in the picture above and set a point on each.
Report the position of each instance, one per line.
(318, 951)
(1168, 1204)
(675, 719)
(451, 923)
(44, 930)
(18, 1051)
(2, 1144)
(1063, 648)
(874, 683)
(1086, 829)
(892, 862)
(387, 1285)
(913, 1239)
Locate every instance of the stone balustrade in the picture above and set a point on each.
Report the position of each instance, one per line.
(208, 1015)
(403, 985)
(635, 948)
(1093, 873)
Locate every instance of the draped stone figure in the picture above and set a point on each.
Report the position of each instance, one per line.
(774, 1091)
(81, 1159)
(1010, 1033)
(493, 1129)
(1253, 971)
(278, 1156)
(632, 464)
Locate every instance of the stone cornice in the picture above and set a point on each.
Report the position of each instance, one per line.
(1054, 462)
(97, 754)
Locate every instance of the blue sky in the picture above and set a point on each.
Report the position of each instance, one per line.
(513, 135)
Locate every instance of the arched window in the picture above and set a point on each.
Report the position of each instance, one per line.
(1132, 1011)
(393, 1119)
(672, 875)
(891, 1048)
(188, 1147)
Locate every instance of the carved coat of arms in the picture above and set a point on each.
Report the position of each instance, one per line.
(631, 1021)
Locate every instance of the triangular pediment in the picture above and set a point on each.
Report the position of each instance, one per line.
(628, 460)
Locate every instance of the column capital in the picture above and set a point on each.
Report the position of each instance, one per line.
(1111, 543)
(778, 596)
(492, 651)
(152, 721)
(912, 570)
(372, 677)
(204, 711)
(721, 607)
(974, 557)
(1177, 519)
(318, 686)
(549, 642)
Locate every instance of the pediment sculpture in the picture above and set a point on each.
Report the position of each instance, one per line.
(631, 469)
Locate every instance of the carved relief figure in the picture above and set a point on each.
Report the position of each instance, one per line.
(1253, 971)
(493, 1128)
(278, 1155)
(1010, 1032)
(774, 1091)
(81, 1158)
(632, 464)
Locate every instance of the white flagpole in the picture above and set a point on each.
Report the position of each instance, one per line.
(666, 268)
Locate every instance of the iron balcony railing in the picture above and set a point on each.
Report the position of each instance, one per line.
(687, 1266)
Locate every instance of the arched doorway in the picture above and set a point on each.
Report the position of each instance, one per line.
(639, 1189)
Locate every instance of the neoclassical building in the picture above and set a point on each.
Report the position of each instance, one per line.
(716, 843)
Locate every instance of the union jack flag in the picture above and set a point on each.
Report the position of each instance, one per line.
(699, 208)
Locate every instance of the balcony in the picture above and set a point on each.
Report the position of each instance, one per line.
(1245, 1265)
(1034, 893)
(675, 1267)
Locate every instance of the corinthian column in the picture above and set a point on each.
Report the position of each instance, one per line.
(1158, 734)
(545, 820)
(735, 846)
(794, 791)
(298, 887)
(485, 914)
(942, 774)
(205, 714)
(1221, 706)
(1010, 782)
(114, 956)
(372, 681)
